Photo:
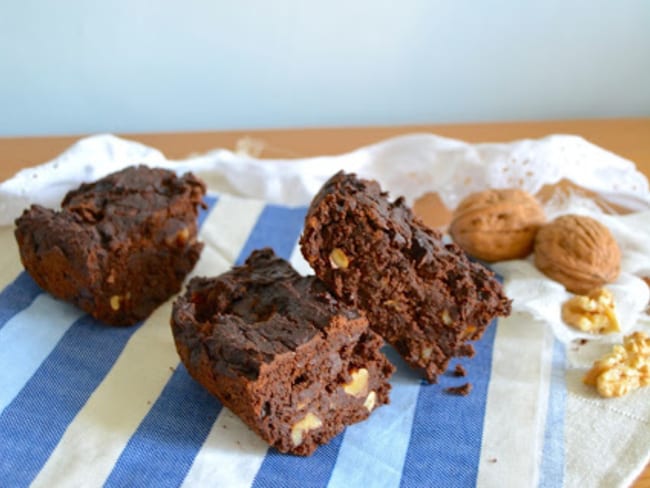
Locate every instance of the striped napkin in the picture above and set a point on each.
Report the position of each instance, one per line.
(83, 404)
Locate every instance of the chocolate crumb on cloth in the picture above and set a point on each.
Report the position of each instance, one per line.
(459, 371)
(462, 390)
(281, 352)
(426, 299)
(120, 246)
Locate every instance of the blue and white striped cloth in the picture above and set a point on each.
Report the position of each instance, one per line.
(83, 404)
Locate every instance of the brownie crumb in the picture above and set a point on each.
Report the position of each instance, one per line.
(459, 371)
(582, 342)
(492, 460)
(462, 390)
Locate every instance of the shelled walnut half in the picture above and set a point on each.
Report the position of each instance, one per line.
(623, 370)
(594, 312)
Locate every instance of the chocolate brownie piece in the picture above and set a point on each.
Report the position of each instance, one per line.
(423, 296)
(278, 350)
(118, 247)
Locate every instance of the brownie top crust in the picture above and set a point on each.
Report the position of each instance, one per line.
(123, 202)
(255, 312)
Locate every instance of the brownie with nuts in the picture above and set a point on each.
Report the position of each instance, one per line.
(281, 352)
(424, 297)
(118, 247)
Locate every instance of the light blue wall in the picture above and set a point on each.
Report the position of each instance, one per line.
(74, 66)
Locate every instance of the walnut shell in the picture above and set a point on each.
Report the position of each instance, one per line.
(496, 225)
(579, 252)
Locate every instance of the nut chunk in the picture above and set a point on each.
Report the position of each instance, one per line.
(279, 351)
(423, 297)
(623, 370)
(118, 247)
(593, 313)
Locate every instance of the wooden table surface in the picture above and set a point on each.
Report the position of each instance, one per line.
(629, 138)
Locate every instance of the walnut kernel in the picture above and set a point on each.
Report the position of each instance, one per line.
(446, 317)
(300, 428)
(623, 370)
(338, 259)
(426, 353)
(468, 333)
(358, 386)
(178, 238)
(594, 312)
(183, 236)
(115, 302)
(371, 399)
(618, 381)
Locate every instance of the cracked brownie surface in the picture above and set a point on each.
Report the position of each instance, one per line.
(424, 297)
(281, 352)
(120, 246)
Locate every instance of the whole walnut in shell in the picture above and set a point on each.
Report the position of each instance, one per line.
(496, 225)
(579, 252)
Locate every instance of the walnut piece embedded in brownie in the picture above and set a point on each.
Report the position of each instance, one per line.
(118, 247)
(425, 298)
(281, 352)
